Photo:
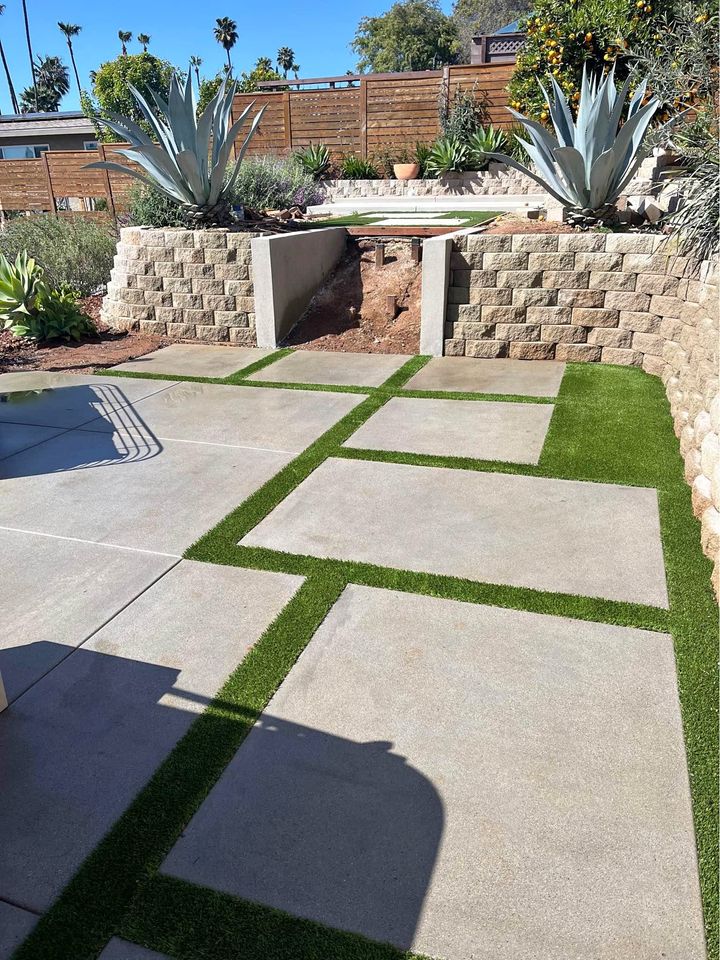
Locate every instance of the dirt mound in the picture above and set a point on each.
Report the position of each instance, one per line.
(349, 311)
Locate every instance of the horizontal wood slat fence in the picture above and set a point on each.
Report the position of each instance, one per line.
(381, 112)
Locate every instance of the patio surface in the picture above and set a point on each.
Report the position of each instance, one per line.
(451, 724)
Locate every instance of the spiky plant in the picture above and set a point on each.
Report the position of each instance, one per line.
(188, 161)
(589, 162)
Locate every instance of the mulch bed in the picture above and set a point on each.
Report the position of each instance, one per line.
(104, 350)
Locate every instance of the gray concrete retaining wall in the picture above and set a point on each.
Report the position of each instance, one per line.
(288, 268)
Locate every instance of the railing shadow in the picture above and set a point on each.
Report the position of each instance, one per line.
(109, 430)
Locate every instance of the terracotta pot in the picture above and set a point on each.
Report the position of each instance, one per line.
(406, 171)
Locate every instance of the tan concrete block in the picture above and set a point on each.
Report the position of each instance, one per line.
(170, 269)
(458, 278)
(640, 322)
(177, 284)
(620, 300)
(518, 278)
(483, 278)
(567, 279)
(505, 261)
(598, 261)
(653, 283)
(497, 314)
(602, 280)
(551, 261)
(170, 314)
(654, 365)
(459, 312)
(626, 358)
(189, 255)
(187, 301)
(645, 263)
(532, 351)
(534, 243)
(454, 348)
(178, 237)
(517, 331)
(553, 333)
(580, 298)
(148, 283)
(489, 243)
(152, 326)
(203, 318)
(581, 242)
(158, 298)
(205, 286)
(225, 271)
(554, 315)
(482, 296)
(220, 255)
(533, 297)
(488, 349)
(245, 304)
(230, 318)
(215, 237)
(130, 295)
(240, 241)
(181, 331)
(471, 331)
(199, 271)
(577, 352)
(211, 301)
(212, 333)
(138, 312)
(665, 306)
(609, 337)
(466, 260)
(632, 242)
(243, 336)
(591, 317)
(160, 254)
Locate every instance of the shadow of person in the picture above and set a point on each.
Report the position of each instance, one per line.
(106, 430)
(321, 827)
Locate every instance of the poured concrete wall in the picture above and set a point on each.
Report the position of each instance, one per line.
(287, 269)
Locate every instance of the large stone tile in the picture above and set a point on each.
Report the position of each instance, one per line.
(591, 539)
(468, 782)
(119, 949)
(531, 378)
(83, 585)
(15, 437)
(15, 925)
(129, 488)
(458, 428)
(195, 360)
(63, 400)
(282, 420)
(78, 746)
(340, 369)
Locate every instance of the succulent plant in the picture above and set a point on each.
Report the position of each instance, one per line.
(482, 143)
(20, 284)
(589, 162)
(189, 159)
(314, 159)
(448, 154)
(29, 307)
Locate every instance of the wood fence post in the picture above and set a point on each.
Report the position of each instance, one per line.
(446, 89)
(363, 119)
(287, 120)
(108, 186)
(48, 182)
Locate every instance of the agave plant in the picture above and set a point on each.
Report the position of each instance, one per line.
(482, 143)
(588, 163)
(189, 159)
(20, 284)
(314, 159)
(29, 307)
(448, 154)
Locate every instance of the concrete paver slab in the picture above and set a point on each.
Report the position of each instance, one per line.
(83, 586)
(129, 488)
(339, 369)
(284, 420)
(458, 428)
(195, 360)
(531, 378)
(512, 785)
(15, 437)
(64, 400)
(78, 745)
(592, 539)
(15, 925)
(119, 949)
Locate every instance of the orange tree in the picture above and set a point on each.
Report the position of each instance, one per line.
(563, 35)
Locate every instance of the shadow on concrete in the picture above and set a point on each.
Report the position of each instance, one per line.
(108, 430)
(316, 824)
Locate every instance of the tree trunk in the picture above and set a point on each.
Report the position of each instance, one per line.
(74, 66)
(227, 51)
(11, 88)
(29, 46)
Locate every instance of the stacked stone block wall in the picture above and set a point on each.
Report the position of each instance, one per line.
(499, 180)
(614, 298)
(186, 284)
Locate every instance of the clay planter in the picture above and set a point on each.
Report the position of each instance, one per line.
(406, 171)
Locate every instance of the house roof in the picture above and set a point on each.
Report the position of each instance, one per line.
(44, 124)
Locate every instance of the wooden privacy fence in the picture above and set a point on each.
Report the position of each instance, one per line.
(379, 113)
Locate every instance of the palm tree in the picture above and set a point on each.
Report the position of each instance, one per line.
(30, 53)
(226, 35)
(195, 64)
(71, 30)
(53, 82)
(124, 36)
(144, 39)
(11, 88)
(285, 59)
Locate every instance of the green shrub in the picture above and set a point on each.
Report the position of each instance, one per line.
(314, 160)
(29, 307)
(462, 115)
(447, 155)
(355, 168)
(74, 251)
(422, 154)
(483, 141)
(151, 208)
(273, 183)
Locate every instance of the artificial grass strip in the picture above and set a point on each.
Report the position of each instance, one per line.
(194, 923)
(260, 364)
(90, 910)
(464, 395)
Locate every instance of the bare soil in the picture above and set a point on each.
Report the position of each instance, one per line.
(349, 311)
(512, 223)
(104, 350)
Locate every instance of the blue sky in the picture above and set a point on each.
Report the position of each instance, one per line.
(319, 33)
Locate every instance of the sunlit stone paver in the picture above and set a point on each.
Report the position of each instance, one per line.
(593, 539)
(468, 782)
(536, 378)
(458, 428)
(195, 360)
(339, 369)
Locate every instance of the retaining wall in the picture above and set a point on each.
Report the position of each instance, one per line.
(612, 298)
(189, 284)
(497, 180)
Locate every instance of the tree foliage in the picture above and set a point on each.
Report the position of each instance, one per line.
(412, 35)
(53, 82)
(111, 86)
(476, 17)
(262, 71)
